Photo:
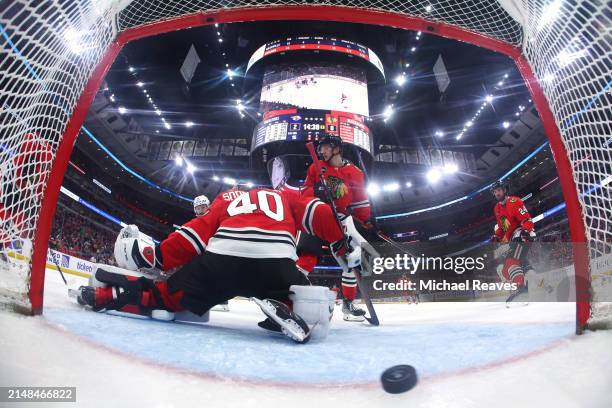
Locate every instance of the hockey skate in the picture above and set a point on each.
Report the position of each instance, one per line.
(519, 297)
(291, 325)
(351, 312)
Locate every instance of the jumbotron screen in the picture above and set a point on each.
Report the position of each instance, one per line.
(329, 87)
(309, 125)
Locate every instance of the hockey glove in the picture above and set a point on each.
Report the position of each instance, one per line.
(322, 193)
(527, 236)
(135, 250)
(347, 255)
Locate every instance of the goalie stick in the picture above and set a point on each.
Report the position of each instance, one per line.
(373, 319)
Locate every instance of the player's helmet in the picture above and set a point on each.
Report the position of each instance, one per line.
(200, 204)
(332, 140)
(499, 184)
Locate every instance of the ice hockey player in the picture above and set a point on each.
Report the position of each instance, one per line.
(515, 227)
(243, 246)
(347, 187)
(21, 187)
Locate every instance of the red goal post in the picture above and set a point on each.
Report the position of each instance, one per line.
(54, 57)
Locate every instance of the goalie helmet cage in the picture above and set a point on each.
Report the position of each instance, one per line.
(55, 54)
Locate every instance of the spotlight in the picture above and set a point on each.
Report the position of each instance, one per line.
(450, 168)
(178, 160)
(439, 133)
(506, 124)
(191, 168)
(373, 189)
(434, 175)
(122, 110)
(229, 180)
(391, 187)
(215, 178)
(388, 112)
(400, 79)
(189, 124)
(409, 184)
(140, 84)
(489, 98)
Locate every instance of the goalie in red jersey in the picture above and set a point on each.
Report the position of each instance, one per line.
(514, 226)
(348, 192)
(244, 245)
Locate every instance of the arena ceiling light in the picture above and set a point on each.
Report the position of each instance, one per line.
(158, 112)
(391, 187)
(439, 133)
(122, 110)
(450, 168)
(506, 124)
(131, 69)
(408, 184)
(400, 80)
(373, 189)
(434, 175)
(189, 124)
(178, 160)
(489, 98)
(191, 168)
(229, 180)
(140, 84)
(215, 178)
(388, 112)
(249, 184)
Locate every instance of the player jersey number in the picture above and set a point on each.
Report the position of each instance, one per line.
(243, 205)
(522, 211)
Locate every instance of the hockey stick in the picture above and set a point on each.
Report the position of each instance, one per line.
(59, 270)
(373, 319)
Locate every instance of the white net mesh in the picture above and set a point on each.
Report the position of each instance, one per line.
(50, 49)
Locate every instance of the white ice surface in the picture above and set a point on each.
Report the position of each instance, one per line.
(466, 354)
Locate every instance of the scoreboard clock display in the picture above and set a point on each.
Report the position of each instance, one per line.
(307, 125)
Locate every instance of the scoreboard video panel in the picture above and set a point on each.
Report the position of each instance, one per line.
(309, 125)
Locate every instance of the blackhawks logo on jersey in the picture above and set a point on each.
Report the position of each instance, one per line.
(505, 223)
(337, 187)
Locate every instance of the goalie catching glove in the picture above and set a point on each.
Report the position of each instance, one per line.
(135, 250)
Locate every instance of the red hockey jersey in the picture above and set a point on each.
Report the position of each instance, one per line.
(347, 188)
(510, 215)
(261, 223)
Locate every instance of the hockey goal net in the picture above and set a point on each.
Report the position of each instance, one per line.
(55, 54)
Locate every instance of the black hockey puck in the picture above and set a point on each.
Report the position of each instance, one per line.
(399, 378)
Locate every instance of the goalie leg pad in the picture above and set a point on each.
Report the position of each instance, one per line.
(315, 304)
